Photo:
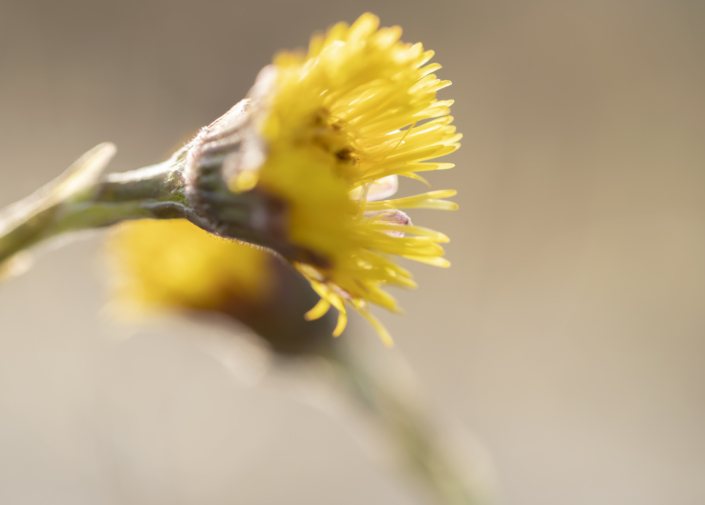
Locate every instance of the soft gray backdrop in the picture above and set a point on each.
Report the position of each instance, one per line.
(569, 333)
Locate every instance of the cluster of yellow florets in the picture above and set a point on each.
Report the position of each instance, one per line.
(340, 124)
(167, 264)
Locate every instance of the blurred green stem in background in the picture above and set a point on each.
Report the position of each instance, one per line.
(410, 431)
(376, 388)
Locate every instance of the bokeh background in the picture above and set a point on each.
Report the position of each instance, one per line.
(569, 335)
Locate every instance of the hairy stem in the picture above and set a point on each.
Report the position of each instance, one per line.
(154, 192)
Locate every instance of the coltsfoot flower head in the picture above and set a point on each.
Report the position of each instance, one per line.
(166, 265)
(173, 266)
(321, 142)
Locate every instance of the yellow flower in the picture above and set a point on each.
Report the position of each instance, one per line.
(339, 124)
(173, 264)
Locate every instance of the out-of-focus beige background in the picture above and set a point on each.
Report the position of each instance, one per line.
(569, 334)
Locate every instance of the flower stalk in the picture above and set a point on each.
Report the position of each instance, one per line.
(378, 397)
(410, 432)
(80, 199)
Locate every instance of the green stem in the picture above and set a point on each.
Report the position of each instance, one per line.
(154, 192)
(409, 429)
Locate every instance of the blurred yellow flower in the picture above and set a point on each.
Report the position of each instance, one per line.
(173, 264)
(340, 124)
